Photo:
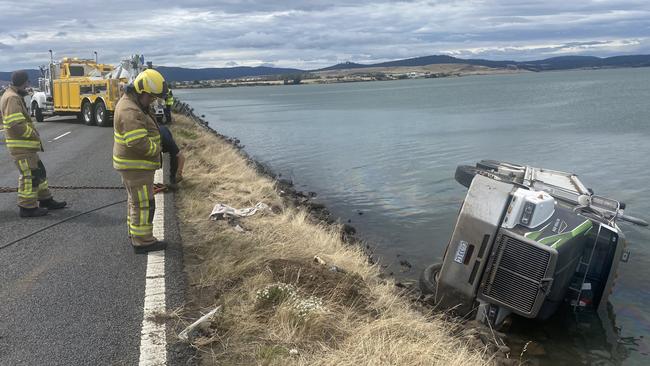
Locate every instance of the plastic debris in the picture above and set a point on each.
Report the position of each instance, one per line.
(221, 211)
(185, 334)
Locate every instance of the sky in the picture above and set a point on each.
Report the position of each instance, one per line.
(318, 33)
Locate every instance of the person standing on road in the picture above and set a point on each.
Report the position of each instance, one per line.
(136, 155)
(169, 102)
(24, 143)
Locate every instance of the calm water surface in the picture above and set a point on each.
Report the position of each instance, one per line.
(383, 155)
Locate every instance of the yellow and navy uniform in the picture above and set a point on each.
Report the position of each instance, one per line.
(24, 143)
(136, 156)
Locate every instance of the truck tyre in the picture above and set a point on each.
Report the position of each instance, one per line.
(465, 174)
(488, 164)
(429, 279)
(101, 115)
(38, 112)
(87, 115)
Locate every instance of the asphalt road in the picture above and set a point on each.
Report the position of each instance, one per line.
(74, 293)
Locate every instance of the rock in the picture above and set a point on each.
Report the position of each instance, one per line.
(348, 229)
(405, 263)
(285, 183)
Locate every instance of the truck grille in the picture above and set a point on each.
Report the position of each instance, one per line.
(515, 273)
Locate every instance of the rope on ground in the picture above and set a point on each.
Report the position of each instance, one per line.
(59, 223)
(160, 188)
(14, 189)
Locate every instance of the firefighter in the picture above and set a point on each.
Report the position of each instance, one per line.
(176, 157)
(169, 102)
(137, 155)
(24, 143)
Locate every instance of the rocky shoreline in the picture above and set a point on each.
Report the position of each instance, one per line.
(477, 335)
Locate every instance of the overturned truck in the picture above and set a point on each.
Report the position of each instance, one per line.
(526, 241)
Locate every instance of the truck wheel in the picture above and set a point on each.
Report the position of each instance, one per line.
(429, 279)
(87, 114)
(101, 115)
(38, 112)
(465, 174)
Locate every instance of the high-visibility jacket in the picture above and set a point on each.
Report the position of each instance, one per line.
(170, 100)
(20, 134)
(136, 142)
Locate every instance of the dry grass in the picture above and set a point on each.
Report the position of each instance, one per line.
(364, 321)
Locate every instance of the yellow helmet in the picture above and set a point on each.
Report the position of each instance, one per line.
(150, 81)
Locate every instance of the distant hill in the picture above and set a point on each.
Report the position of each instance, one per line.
(183, 74)
(555, 63)
(33, 76)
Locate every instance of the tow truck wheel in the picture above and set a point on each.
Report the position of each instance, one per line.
(101, 116)
(38, 112)
(429, 279)
(87, 115)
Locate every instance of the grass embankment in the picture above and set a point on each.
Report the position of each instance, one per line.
(344, 317)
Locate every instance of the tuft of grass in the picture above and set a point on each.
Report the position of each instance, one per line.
(186, 134)
(351, 317)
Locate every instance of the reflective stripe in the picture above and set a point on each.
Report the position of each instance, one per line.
(124, 141)
(26, 177)
(140, 230)
(146, 197)
(152, 148)
(30, 144)
(121, 163)
(140, 206)
(28, 131)
(14, 117)
(132, 135)
(43, 186)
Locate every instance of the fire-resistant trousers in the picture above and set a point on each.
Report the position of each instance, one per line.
(141, 205)
(32, 182)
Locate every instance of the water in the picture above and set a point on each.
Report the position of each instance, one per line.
(383, 155)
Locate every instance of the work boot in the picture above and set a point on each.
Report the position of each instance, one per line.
(33, 212)
(51, 204)
(155, 246)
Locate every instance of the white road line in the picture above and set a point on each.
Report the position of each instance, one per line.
(58, 137)
(153, 341)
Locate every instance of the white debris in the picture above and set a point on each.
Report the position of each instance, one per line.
(221, 211)
(185, 334)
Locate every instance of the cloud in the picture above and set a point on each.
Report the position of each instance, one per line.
(19, 36)
(317, 33)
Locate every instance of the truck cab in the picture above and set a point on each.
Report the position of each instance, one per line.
(526, 241)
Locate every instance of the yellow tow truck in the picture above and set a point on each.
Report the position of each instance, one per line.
(84, 88)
